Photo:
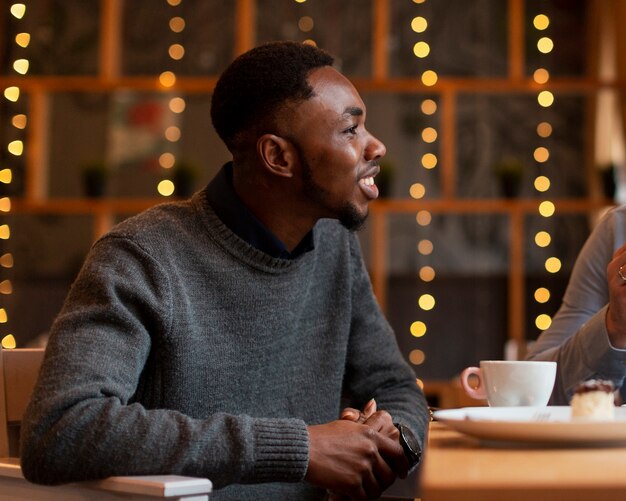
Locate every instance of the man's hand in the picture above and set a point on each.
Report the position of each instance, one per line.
(353, 459)
(616, 313)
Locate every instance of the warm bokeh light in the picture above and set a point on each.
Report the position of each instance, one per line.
(545, 45)
(427, 273)
(545, 98)
(553, 264)
(429, 78)
(543, 321)
(167, 160)
(423, 218)
(12, 93)
(541, 21)
(419, 24)
(310, 42)
(21, 66)
(542, 183)
(22, 39)
(417, 357)
(6, 176)
(166, 188)
(426, 302)
(172, 133)
(176, 51)
(544, 129)
(18, 10)
(542, 295)
(547, 208)
(6, 260)
(6, 287)
(417, 191)
(428, 107)
(167, 79)
(8, 342)
(174, 3)
(429, 161)
(5, 204)
(421, 49)
(541, 75)
(542, 238)
(418, 328)
(4, 318)
(19, 121)
(425, 247)
(16, 147)
(177, 104)
(429, 135)
(177, 24)
(541, 154)
(5, 232)
(306, 24)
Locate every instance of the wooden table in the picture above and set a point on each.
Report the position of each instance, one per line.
(458, 467)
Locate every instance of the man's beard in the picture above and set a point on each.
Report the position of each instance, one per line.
(347, 214)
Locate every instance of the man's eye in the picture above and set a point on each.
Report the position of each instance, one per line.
(352, 130)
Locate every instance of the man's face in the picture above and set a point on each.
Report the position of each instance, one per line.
(338, 156)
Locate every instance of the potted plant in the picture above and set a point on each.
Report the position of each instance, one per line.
(607, 180)
(95, 176)
(384, 179)
(509, 171)
(184, 176)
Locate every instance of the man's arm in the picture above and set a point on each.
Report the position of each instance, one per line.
(84, 421)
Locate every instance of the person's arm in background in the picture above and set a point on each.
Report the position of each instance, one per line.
(578, 339)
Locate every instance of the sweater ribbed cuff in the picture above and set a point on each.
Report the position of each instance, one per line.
(282, 450)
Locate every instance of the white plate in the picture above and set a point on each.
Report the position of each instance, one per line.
(547, 425)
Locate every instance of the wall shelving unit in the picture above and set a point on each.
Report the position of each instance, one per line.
(109, 79)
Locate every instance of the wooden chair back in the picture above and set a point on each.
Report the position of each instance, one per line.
(19, 369)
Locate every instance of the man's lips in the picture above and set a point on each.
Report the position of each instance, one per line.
(368, 187)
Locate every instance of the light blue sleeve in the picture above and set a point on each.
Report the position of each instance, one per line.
(577, 338)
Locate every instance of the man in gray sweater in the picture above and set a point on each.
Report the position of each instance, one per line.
(220, 336)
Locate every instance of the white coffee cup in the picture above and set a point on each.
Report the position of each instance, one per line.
(506, 383)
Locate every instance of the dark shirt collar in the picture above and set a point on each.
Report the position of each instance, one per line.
(233, 213)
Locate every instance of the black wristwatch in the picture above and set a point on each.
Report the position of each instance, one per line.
(410, 444)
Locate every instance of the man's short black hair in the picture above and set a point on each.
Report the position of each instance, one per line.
(254, 87)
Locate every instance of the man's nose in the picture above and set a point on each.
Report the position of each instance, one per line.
(375, 149)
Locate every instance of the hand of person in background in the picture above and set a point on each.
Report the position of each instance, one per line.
(381, 422)
(616, 313)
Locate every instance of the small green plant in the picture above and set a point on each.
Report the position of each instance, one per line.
(509, 171)
(384, 179)
(95, 177)
(185, 175)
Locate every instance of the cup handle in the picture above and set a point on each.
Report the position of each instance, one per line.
(478, 392)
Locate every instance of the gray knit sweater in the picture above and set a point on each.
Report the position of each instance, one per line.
(181, 349)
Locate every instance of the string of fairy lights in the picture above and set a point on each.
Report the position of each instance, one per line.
(306, 25)
(541, 155)
(177, 104)
(428, 161)
(16, 148)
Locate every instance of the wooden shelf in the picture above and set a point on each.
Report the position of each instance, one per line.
(492, 205)
(85, 205)
(193, 84)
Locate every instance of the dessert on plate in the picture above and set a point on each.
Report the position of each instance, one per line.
(594, 399)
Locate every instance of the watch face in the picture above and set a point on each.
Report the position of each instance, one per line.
(410, 444)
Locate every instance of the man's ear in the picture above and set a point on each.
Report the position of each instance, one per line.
(276, 154)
